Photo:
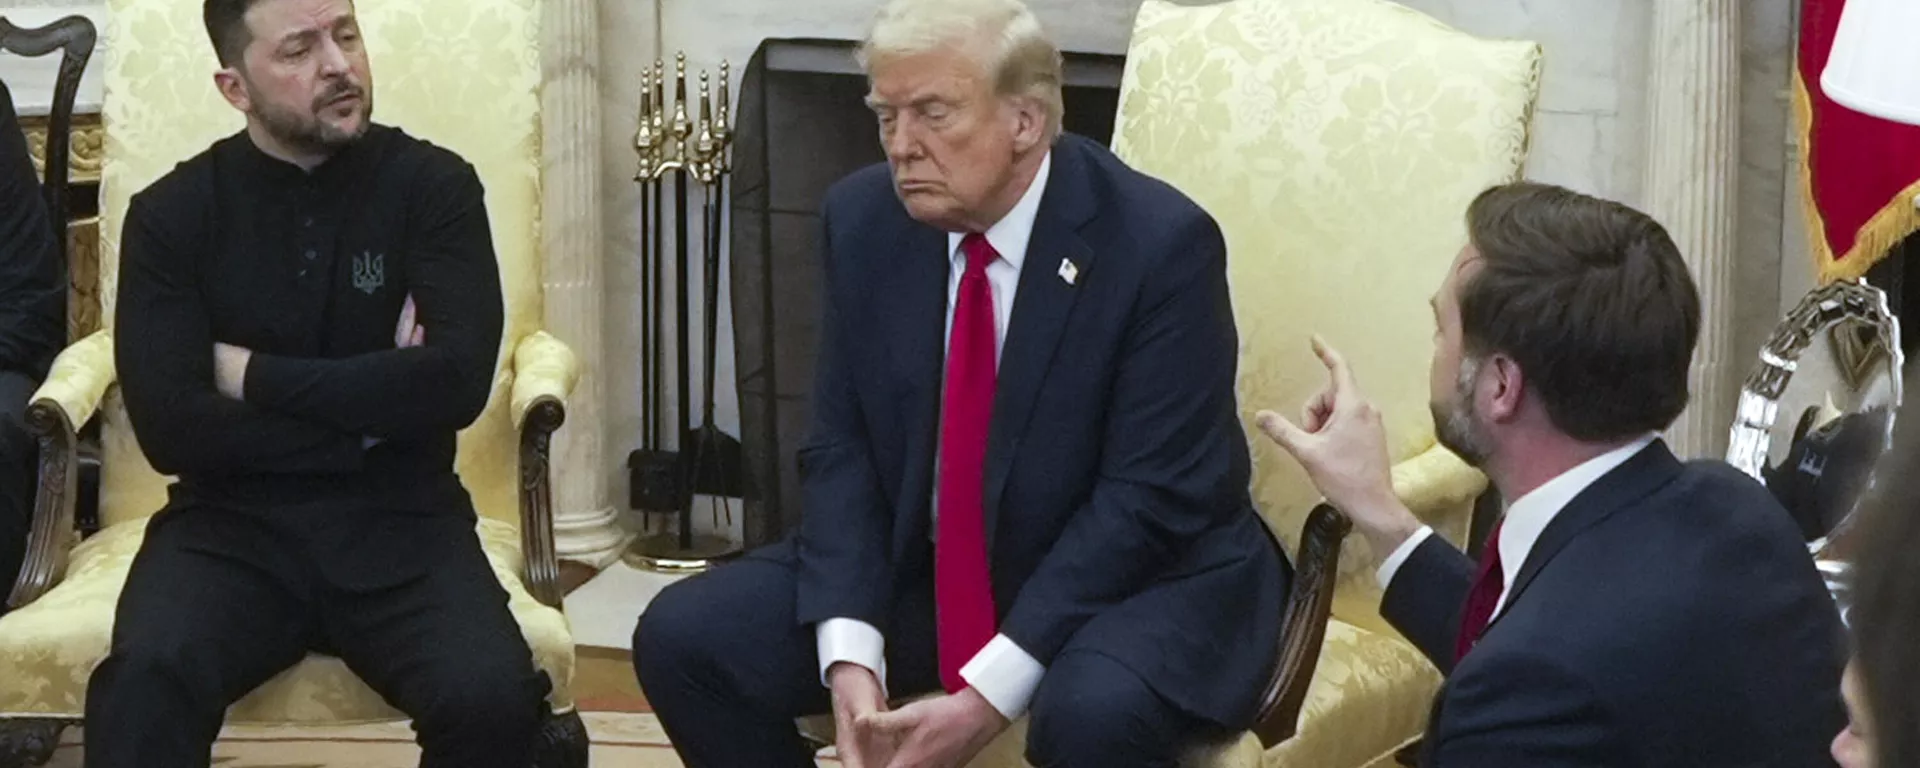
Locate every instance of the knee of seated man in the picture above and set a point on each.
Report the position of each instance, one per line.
(1097, 711)
(486, 698)
(672, 633)
(171, 653)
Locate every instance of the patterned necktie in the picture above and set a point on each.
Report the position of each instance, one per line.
(962, 592)
(1487, 586)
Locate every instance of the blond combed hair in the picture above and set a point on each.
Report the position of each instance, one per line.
(1014, 50)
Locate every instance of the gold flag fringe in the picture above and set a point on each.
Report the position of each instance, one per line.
(1893, 223)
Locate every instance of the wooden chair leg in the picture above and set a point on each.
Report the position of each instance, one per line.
(29, 741)
(563, 743)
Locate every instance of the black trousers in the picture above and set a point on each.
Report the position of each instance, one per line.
(18, 454)
(221, 599)
(727, 671)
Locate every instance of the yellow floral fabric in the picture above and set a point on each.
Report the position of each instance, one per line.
(1370, 696)
(79, 377)
(464, 74)
(1337, 142)
(49, 648)
(545, 367)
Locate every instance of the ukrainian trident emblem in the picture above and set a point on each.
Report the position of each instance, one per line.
(369, 271)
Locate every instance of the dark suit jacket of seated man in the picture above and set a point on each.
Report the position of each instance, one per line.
(1668, 616)
(33, 300)
(309, 311)
(1629, 609)
(1135, 596)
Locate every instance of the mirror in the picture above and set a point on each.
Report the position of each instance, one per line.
(1817, 411)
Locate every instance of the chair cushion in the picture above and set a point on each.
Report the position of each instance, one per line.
(1368, 694)
(49, 648)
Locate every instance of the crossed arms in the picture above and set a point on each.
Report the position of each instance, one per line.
(305, 415)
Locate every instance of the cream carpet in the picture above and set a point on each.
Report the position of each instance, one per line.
(620, 740)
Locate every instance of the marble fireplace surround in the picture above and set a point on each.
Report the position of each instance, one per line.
(1676, 107)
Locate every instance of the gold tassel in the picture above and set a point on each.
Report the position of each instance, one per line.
(1892, 224)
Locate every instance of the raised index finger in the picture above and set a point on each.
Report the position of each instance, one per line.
(1336, 366)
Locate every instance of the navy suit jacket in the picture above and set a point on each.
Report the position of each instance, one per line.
(1668, 616)
(1117, 507)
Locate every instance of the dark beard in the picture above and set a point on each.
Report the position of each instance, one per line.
(305, 131)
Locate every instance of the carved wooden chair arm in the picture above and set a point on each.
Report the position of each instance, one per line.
(1316, 571)
(52, 533)
(75, 385)
(542, 563)
(545, 371)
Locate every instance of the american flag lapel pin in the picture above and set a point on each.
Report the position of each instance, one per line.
(1068, 271)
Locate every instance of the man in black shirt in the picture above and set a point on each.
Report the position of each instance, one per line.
(32, 328)
(308, 312)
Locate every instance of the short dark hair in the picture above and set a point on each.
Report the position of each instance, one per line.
(226, 22)
(1884, 615)
(1591, 298)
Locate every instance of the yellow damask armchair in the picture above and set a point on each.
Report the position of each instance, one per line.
(1338, 143)
(462, 73)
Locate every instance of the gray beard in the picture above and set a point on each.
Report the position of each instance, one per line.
(1456, 424)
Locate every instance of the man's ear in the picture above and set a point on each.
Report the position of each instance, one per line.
(1030, 123)
(234, 88)
(1509, 388)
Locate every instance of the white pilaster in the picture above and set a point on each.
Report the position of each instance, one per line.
(1693, 162)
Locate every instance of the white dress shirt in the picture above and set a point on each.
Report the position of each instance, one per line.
(1526, 517)
(1004, 674)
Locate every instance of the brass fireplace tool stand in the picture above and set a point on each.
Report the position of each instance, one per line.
(678, 152)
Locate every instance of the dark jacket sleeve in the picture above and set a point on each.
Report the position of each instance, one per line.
(1524, 711)
(843, 539)
(1173, 461)
(33, 290)
(163, 350)
(439, 387)
(1426, 596)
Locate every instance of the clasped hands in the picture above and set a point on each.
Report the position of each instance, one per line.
(941, 732)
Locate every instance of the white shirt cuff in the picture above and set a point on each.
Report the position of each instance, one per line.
(1400, 555)
(852, 641)
(1005, 676)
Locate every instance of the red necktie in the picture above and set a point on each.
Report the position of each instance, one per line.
(963, 594)
(1487, 586)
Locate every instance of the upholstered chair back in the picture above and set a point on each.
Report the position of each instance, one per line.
(464, 74)
(1338, 143)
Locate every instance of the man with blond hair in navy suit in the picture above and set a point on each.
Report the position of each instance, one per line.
(1026, 481)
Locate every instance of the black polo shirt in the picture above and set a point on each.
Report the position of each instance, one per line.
(309, 270)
